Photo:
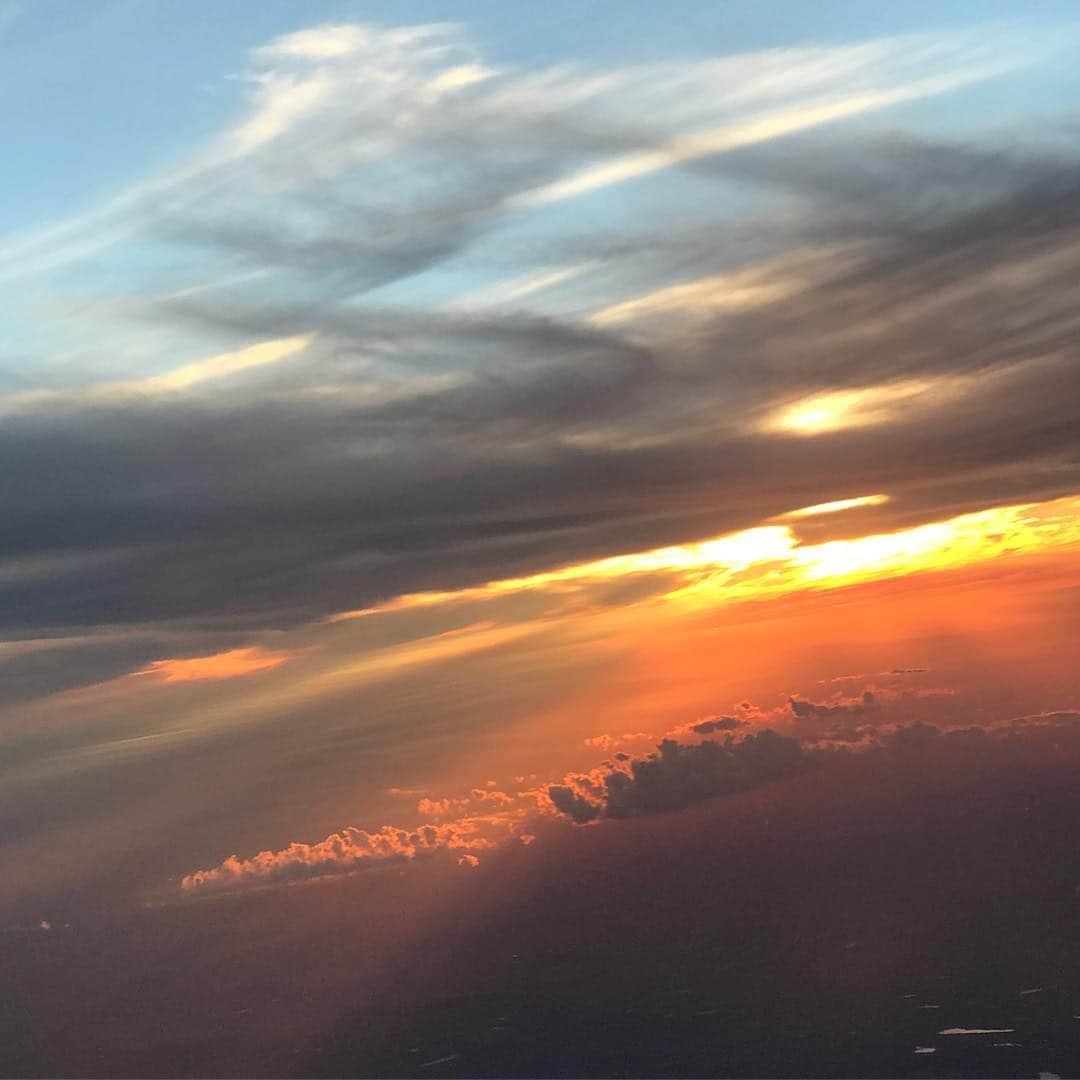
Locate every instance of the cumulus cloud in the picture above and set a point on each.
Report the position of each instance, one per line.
(1055, 718)
(858, 717)
(573, 804)
(681, 774)
(602, 742)
(711, 725)
(342, 852)
(719, 723)
(484, 819)
(609, 742)
(436, 808)
(803, 709)
(678, 775)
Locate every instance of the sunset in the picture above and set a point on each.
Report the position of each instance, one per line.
(539, 540)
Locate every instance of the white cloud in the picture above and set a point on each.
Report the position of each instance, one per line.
(179, 379)
(517, 288)
(413, 120)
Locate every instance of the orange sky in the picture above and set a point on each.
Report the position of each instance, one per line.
(358, 720)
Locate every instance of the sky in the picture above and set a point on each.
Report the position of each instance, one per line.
(450, 446)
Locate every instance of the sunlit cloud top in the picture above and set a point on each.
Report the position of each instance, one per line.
(770, 560)
(836, 506)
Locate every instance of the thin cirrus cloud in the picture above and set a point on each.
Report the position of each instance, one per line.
(330, 100)
(701, 144)
(178, 380)
(231, 664)
(836, 506)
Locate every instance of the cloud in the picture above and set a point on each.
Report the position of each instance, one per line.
(712, 725)
(804, 710)
(339, 852)
(485, 819)
(681, 774)
(419, 448)
(836, 506)
(717, 723)
(328, 98)
(573, 804)
(226, 665)
(437, 808)
(343, 852)
(609, 742)
(866, 717)
(763, 127)
(1055, 718)
(216, 367)
(678, 775)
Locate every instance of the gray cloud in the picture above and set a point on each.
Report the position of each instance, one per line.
(720, 723)
(678, 775)
(411, 449)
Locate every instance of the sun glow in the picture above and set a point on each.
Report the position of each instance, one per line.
(836, 506)
(862, 407)
(769, 560)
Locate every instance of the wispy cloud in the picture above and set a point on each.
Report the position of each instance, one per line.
(836, 506)
(335, 102)
(226, 665)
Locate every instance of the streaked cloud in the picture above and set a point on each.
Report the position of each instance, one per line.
(841, 409)
(757, 129)
(335, 100)
(705, 296)
(770, 560)
(515, 289)
(178, 380)
(226, 665)
(216, 367)
(486, 403)
(836, 506)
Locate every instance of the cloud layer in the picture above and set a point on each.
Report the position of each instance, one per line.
(355, 434)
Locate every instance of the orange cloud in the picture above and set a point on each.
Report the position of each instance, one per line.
(771, 560)
(223, 665)
(346, 850)
(354, 849)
